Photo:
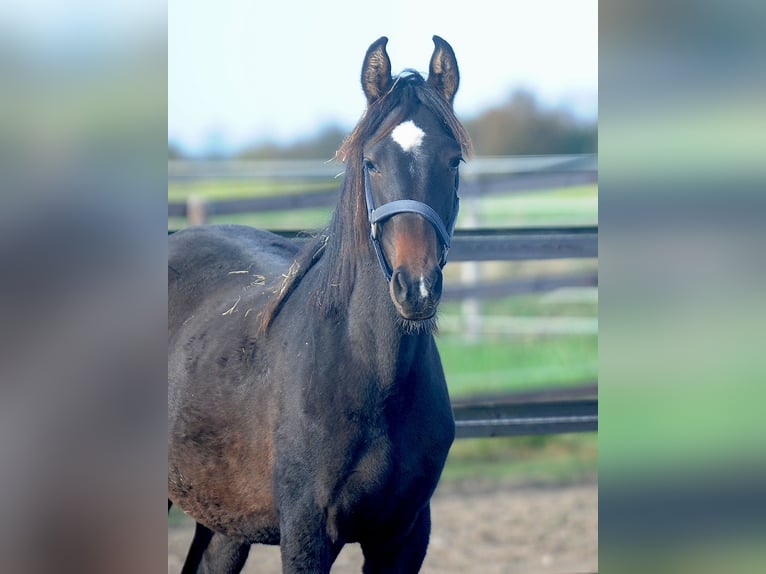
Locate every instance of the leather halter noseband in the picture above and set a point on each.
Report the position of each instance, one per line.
(391, 208)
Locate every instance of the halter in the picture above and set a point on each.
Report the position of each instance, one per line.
(391, 208)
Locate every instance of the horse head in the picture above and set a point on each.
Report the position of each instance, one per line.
(410, 167)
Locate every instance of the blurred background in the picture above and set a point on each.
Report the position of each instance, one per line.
(259, 99)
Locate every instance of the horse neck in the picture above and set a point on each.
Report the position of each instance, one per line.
(375, 327)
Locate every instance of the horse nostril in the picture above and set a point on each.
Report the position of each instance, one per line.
(399, 284)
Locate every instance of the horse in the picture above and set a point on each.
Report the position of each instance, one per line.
(307, 404)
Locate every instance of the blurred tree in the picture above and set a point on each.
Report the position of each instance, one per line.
(322, 145)
(174, 151)
(521, 127)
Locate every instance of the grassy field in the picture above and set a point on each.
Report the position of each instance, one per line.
(563, 458)
(499, 363)
(476, 368)
(565, 206)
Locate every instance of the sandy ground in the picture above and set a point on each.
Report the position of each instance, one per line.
(482, 527)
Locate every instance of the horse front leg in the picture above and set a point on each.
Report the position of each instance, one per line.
(401, 555)
(202, 537)
(215, 553)
(224, 555)
(305, 545)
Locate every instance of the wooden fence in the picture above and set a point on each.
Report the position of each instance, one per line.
(513, 244)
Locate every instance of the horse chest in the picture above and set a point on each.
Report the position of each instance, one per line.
(393, 475)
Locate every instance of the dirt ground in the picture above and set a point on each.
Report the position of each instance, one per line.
(483, 527)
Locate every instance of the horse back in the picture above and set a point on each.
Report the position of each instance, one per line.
(211, 260)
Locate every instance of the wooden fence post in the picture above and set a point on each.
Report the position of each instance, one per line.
(470, 274)
(196, 210)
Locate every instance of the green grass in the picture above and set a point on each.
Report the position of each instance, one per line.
(506, 365)
(563, 206)
(177, 518)
(561, 458)
(298, 219)
(237, 189)
(534, 304)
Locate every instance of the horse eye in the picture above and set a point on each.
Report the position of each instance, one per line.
(455, 163)
(369, 166)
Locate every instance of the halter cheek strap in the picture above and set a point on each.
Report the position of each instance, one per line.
(391, 208)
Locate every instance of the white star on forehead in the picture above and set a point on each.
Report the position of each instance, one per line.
(408, 135)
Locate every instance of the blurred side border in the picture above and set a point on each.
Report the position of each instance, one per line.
(83, 206)
(681, 277)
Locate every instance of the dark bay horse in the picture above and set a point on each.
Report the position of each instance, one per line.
(307, 405)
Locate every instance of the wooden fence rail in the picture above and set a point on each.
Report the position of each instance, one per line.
(548, 411)
(528, 418)
(514, 244)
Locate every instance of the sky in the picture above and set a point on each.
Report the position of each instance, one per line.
(248, 71)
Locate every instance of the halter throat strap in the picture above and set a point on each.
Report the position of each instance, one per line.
(375, 216)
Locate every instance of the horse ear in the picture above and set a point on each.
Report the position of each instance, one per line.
(376, 71)
(443, 74)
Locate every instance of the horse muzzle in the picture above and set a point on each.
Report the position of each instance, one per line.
(416, 297)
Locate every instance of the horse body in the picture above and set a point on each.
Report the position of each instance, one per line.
(307, 404)
(219, 401)
(390, 424)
